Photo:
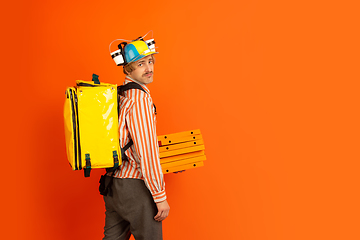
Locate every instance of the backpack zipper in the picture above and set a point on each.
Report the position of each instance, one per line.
(77, 131)
(86, 85)
(74, 127)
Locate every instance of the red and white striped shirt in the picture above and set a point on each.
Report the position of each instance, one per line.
(137, 121)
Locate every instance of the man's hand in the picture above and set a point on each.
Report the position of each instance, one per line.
(163, 211)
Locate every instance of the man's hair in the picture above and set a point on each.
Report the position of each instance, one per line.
(128, 68)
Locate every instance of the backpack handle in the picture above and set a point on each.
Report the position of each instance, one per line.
(95, 78)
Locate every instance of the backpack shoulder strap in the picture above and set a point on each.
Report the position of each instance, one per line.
(128, 86)
(131, 85)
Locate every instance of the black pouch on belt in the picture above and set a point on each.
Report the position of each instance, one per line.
(105, 189)
(102, 186)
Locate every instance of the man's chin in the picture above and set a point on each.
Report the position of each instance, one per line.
(149, 80)
(146, 80)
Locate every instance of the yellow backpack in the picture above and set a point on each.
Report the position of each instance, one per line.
(91, 126)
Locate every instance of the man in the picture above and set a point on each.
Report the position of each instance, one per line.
(138, 204)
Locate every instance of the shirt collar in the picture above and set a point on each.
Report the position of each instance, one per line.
(129, 79)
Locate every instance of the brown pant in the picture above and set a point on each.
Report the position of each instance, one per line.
(131, 210)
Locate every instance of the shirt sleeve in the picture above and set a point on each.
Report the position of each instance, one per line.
(142, 127)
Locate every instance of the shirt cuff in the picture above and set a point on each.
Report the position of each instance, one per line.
(159, 196)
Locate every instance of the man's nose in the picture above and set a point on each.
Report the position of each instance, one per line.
(147, 67)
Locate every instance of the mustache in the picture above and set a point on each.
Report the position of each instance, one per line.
(147, 73)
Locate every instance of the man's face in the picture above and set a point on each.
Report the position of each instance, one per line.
(144, 70)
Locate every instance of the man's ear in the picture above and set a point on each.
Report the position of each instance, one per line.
(125, 72)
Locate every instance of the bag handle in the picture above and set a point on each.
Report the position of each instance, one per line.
(95, 78)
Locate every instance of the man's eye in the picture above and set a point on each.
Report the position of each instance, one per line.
(140, 64)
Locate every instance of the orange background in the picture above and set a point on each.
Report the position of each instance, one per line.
(273, 86)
